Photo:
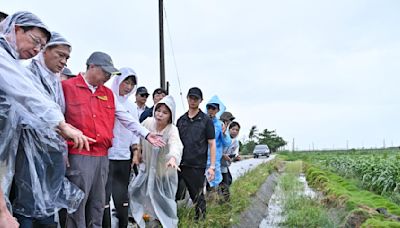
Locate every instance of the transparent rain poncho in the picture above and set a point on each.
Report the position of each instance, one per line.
(28, 141)
(153, 190)
(44, 77)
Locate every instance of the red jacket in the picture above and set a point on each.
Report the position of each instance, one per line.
(92, 113)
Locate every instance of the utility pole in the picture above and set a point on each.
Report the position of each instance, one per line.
(161, 33)
(167, 89)
(293, 145)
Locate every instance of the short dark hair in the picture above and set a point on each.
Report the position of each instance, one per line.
(234, 124)
(133, 78)
(159, 90)
(28, 28)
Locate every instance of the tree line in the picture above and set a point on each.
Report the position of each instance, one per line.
(268, 137)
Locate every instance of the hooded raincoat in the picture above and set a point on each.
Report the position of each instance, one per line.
(41, 187)
(153, 190)
(222, 140)
(23, 105)
(43, 75)
(123, 138)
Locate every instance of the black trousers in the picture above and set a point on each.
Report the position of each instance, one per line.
(225, 185)
(117, 186)
(192, 179)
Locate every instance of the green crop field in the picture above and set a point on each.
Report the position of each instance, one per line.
(365, 182)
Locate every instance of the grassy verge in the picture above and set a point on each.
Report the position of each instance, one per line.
(227, 214)
(300, 210)
(360, 204)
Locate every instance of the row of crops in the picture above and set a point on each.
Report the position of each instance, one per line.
(376, 172)
(364, 182)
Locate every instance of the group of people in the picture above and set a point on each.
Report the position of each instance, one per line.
(68, 142)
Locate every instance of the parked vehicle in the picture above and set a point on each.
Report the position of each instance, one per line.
(261, 150)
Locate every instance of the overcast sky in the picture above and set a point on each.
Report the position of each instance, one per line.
(322, 72)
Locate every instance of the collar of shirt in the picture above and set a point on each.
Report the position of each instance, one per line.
(46, 73)
(92, 88)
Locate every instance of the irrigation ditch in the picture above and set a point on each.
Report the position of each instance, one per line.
(296, 191)
(285, 199)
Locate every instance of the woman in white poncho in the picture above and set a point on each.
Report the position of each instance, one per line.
(153, 191)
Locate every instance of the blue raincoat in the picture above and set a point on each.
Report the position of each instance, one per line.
(222, 140)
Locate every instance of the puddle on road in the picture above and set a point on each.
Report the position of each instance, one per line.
(275, 215)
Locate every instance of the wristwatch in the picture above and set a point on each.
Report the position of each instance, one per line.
(212, 167)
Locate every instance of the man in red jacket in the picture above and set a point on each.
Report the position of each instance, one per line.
(91, 108)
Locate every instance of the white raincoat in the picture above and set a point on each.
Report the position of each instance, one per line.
(153, 190)
(123, 138)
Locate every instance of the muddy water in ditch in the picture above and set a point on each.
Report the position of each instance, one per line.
(275, 214)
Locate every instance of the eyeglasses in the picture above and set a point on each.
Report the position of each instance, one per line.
(108, 75)
(37, 42)
(144, 95)
(211, 107)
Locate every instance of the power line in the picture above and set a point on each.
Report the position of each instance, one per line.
(173, 56)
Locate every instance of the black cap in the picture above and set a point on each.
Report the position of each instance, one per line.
(215, 105)
(142, 90)
(104, 61)
(3, 16)
(195, 92)
(67, 72)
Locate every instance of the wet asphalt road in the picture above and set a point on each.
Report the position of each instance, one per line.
(239, 168)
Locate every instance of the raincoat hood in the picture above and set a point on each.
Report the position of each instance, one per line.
(116, 81)
(170, 103)
(57, 39)
(23, 18)
(215, 99)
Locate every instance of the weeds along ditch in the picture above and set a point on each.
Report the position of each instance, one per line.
(365, 183)
(374, 170)
(227, 214)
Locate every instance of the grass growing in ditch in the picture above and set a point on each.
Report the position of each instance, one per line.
(227, 214)
(359, 203)
(300, 210)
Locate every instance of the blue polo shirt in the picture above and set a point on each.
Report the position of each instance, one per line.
(195, 133)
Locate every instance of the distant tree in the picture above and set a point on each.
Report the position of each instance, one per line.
(270, 138)
(253, 133)
(247, 146)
